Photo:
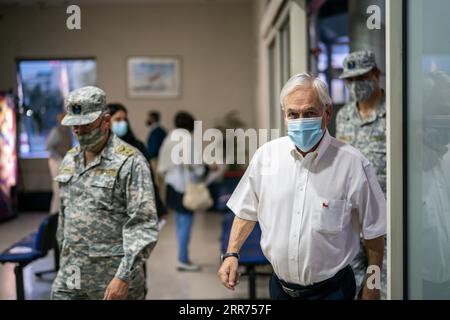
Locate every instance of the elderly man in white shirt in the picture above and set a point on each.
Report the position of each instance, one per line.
(313, 196)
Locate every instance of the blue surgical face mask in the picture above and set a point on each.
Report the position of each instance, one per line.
(305, 132)
(120, 128)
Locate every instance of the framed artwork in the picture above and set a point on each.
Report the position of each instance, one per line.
(153, 77)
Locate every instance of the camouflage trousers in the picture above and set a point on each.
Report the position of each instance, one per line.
(359, 266)
(83, 277)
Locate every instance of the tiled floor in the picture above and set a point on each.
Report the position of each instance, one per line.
(163, 280)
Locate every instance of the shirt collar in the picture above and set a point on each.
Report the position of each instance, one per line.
(381, 110)
(154, 126)
(318, 153)
(109, 148)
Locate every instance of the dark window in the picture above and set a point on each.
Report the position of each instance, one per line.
(42, 87)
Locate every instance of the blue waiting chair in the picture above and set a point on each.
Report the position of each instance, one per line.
(251, 254)
(31, 248)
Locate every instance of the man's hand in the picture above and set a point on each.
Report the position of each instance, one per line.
(370, 294)
(375, 251)
(116, 290)
(228, 272)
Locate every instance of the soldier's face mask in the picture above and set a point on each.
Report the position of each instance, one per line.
(89, 141)
(362, 90)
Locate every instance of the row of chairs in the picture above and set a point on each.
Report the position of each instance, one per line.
(38, 244)
(31, 248)
(251, 255)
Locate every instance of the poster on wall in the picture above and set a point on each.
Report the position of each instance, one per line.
(153, 77)
(8, 155)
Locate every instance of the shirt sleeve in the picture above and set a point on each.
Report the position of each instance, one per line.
(244, 200)
(371, 205)
(60, 228)
(62, 208)
(140, 232)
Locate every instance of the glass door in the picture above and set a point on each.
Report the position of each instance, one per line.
(428, 155)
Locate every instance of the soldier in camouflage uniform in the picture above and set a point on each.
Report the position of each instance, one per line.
(107, 223)
(362, 124)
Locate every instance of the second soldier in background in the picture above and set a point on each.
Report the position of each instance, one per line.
(362, 124)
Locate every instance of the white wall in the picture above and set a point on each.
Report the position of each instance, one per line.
(215, 42)
(267, 22)
(261, 90)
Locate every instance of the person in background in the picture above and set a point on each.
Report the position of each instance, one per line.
(362, 124)
(58, 143)
(156, 136)
(175, 176)
(120, 126)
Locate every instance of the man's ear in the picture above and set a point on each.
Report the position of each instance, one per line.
(107, 121)
(377, 73)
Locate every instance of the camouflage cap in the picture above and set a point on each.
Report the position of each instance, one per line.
(358, 63)
(84, 106)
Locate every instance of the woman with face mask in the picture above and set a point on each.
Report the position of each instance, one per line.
(120, 126)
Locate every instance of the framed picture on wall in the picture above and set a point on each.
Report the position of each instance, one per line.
(153, 77)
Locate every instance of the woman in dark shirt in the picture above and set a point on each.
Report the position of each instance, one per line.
(121, 127)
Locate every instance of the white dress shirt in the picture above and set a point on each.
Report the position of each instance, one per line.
(311, 210)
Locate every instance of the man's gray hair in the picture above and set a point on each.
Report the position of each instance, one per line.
(306, 79)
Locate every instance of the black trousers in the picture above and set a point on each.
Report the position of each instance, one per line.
(342, 286)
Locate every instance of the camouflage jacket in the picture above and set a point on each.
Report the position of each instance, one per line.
(108, 207)
(368, 136)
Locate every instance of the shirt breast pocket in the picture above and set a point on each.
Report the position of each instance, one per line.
(377, 156)
(102, 191)
(330, 216)
(377, 145)
(63, 180)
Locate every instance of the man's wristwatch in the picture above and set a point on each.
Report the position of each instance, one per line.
(229, 254)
